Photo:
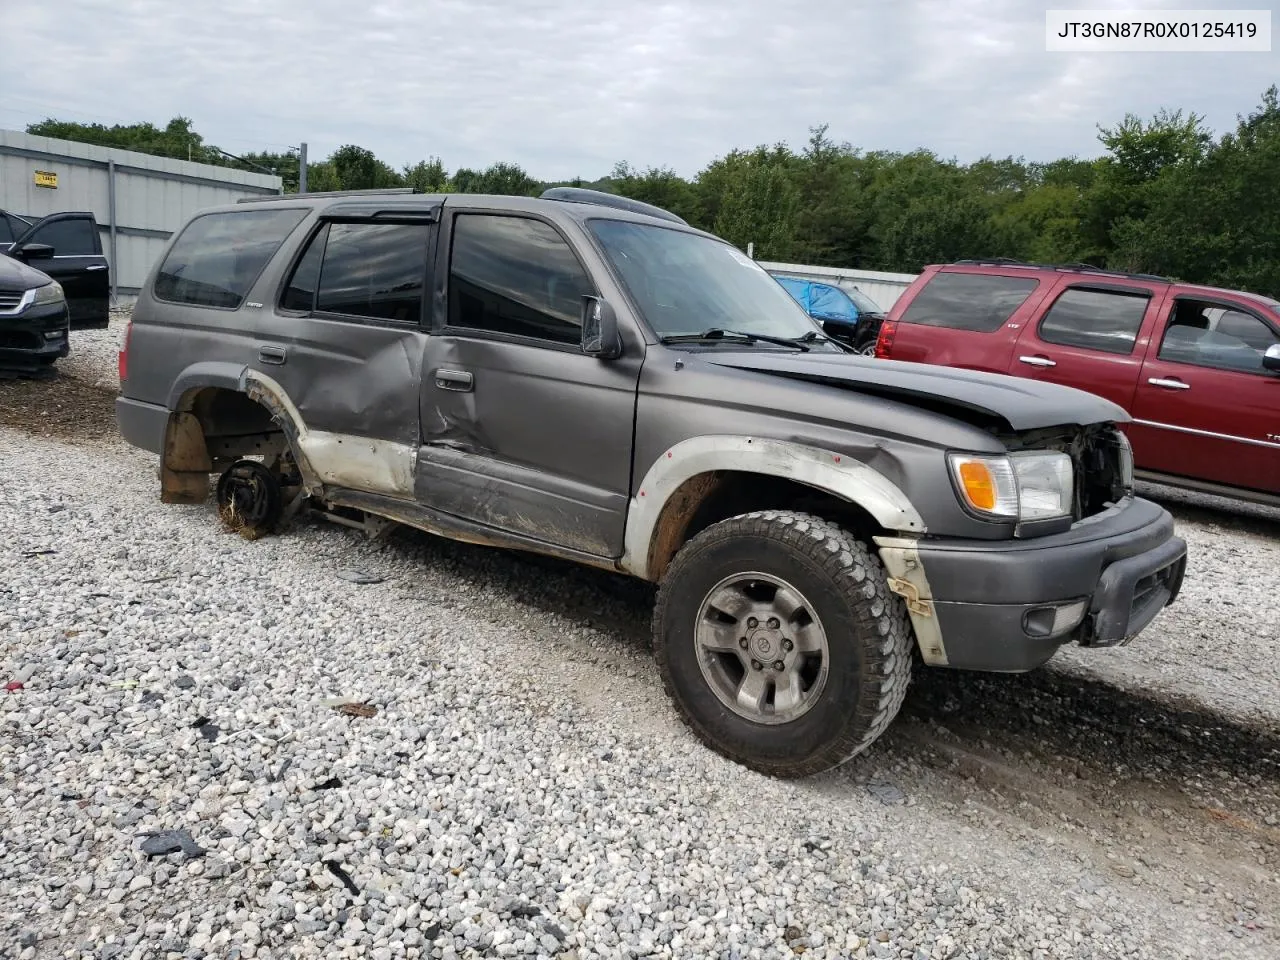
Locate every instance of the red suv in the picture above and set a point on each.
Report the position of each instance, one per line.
(1198, 368)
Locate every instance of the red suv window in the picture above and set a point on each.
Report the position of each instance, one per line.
(969, 301)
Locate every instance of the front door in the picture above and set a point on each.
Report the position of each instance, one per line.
(1211, 408)
(520, 430)
(77, 263)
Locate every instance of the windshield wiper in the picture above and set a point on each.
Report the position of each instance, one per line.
(716, 333)
(813, 336)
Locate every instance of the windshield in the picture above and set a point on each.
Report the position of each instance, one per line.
(685, 283)
(864, 303)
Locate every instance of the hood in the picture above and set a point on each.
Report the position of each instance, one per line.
(16, 275)
(1023, 404)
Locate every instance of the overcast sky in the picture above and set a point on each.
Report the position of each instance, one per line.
(567, 88)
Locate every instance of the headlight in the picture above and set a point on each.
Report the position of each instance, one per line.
(49, 293)
(1033, 485)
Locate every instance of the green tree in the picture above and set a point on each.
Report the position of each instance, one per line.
(177, 139)
(426, 176)
(659, 186)
(1216, 220)
(358, 169)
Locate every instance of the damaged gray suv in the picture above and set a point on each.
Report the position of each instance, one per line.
(588, 377)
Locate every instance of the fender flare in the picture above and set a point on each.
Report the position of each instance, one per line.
(827, 470)
(206, 373)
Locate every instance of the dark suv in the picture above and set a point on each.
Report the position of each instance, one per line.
(587, 377)
(34, 320)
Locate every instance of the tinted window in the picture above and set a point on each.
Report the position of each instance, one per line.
(517, 276)
(219, 256)
(374, 270)
(1237, 342)
(69, 238)
(1095, 320)
(968, 301)
(300, 294)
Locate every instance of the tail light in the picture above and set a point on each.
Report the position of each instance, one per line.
(123, 356)
(884, 341)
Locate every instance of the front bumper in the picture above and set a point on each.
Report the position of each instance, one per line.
(35, 338)
(1009, 605)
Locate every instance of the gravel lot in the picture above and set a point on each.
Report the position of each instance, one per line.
(517, 784)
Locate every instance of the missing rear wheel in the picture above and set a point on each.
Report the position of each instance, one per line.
(250, 499)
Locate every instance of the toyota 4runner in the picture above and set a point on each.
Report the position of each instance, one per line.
(588, 377)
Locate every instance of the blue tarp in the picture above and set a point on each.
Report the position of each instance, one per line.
(821, 300)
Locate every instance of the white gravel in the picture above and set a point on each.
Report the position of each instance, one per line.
(525, 789)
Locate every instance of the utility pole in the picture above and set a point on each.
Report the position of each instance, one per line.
(302, 169)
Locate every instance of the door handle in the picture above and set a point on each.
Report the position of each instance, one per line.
(1169, 384)
(1038, 361)
(453, 380)
(96, 266)
(271, 354)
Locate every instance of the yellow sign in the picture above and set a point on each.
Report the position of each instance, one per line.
(46, 178)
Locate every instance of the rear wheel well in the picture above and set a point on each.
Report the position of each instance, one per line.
(708, 498)
(210, 429)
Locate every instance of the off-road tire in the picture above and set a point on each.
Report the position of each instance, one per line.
(867, 630)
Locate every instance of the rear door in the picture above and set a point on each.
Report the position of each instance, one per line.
(1090, 335)
(1209, 408)
(966, 319)
(343, 334)
(77, 263)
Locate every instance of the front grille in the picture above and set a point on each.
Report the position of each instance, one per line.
(9, 299)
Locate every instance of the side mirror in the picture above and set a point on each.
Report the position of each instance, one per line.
(35, 251)
(1271, 359)
(600, 336)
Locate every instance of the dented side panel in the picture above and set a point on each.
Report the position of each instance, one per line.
(539, 445)
(346, 377)
(682, 398)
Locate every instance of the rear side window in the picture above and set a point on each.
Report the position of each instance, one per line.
(374, 270)
(218, 256)
(968, 301)
(69, 238)
(1106, 320)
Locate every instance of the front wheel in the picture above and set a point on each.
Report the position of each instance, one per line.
(780, 643)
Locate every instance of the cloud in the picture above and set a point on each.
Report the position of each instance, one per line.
(569, 89)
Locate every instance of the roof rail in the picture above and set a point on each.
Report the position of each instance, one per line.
(583, 195)
(1076, 267)
(329, 193)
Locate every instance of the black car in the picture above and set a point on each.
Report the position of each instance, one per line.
(35, 321)
(68, 248)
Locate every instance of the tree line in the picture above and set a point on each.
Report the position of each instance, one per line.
(1165, 196)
